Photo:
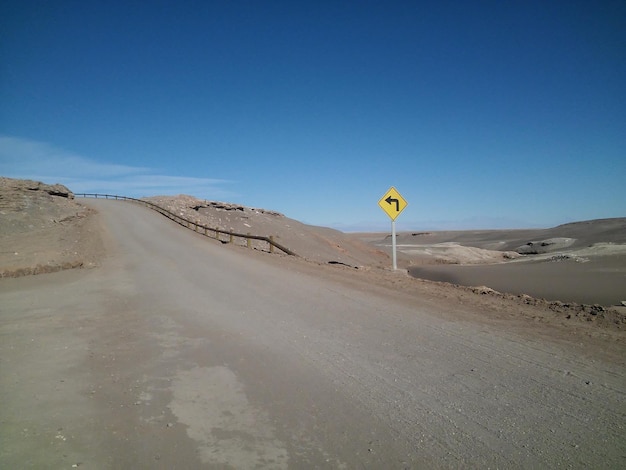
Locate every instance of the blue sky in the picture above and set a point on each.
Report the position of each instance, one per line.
(483, 114)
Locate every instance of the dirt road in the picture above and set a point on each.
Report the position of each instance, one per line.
(178, 352)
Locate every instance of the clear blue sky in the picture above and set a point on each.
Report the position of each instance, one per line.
(481, 113)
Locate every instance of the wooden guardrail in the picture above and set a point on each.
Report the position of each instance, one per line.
(196, 227)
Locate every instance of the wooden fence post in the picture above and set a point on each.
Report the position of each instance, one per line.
(271, 243)
(248, 240)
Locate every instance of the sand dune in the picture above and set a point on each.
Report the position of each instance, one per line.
(583, 262)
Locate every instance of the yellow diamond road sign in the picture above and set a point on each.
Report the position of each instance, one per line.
(392, 203)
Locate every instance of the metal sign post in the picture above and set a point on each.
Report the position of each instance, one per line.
(393, 244)
(393, 203)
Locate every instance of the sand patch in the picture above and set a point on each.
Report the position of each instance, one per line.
(454, 253)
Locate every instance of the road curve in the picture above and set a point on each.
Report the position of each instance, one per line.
(178, 352)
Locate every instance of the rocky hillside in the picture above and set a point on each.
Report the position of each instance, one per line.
(318, 244)
(42, 228)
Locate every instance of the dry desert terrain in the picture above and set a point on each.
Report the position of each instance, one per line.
(130, 341)
(576, 270)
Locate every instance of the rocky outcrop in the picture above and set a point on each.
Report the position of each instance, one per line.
(43, 229)
(545, 246)
(10, 184)
(16, 194)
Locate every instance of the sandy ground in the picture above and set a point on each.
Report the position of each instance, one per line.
(202, 355)
(582, 262)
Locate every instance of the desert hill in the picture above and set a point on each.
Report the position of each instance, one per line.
(319, 244)
(582, 262)
(581, 234)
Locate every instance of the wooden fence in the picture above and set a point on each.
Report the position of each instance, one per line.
(211, 232)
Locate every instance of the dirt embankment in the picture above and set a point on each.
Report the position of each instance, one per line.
(44, 229)
(319, 244)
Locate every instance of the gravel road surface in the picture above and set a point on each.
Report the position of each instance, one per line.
(180, 352)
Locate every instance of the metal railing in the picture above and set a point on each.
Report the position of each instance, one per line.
(195, 226)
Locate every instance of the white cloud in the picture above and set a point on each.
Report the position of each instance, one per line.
(31, 157)
(21, 158)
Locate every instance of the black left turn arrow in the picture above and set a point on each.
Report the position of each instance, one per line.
(390, 200)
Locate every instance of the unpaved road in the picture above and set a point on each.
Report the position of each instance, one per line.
(178, 352)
